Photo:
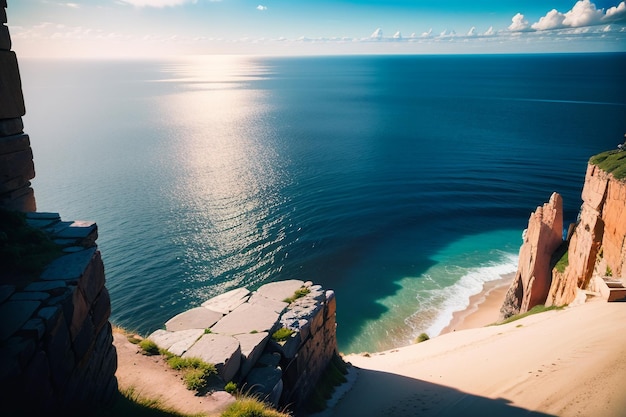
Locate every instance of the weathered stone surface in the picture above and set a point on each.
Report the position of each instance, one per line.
(614, 236)
(196, 318)
(227, 302)
(252, 345)
(599, 237)
(5, 38)
(68, 267)
(247, 318)
(275, 305)
(17, 164)
(280, 290)
(11, 98)
(14, 314)
(9, 127)
(267, 383)
(534, 277)
(14, 143)
(221, 350)
(176, 342)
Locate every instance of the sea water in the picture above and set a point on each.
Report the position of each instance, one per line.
(403, 183)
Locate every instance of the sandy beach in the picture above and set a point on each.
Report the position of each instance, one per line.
(483, 308)
(569, 362)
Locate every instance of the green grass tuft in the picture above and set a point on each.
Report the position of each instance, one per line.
(562, 263)
(231, 388)
(282, 334)
(534, 310)
(129, 403)
(299, 293)
(613, 162)
(250, 406)
(24, 250)
(422, 338)
(148, 347)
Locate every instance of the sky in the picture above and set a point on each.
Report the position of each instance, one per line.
(160, 28)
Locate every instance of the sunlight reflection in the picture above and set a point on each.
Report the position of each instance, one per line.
(233, 230)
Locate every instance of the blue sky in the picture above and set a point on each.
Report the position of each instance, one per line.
(138, 28)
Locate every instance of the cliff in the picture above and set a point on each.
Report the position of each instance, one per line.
(593, 257)
(540, 240)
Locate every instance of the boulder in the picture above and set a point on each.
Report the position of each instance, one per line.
(247, 318)
(229, 301)
(221, 350)
(196, 318)
(176, 342)
(252, 346)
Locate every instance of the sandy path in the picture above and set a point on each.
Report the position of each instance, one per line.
(563, 363)
(152, 378)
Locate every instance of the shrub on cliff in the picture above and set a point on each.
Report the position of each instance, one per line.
(613, 162)
(24, 250)
(251, 407)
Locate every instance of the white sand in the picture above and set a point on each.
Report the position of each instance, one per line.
(570, 362)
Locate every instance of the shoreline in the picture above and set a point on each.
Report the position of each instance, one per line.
(483, 308)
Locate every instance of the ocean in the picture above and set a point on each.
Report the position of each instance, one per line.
(403, 183)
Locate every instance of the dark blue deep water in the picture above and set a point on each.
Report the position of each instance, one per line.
(401, 182)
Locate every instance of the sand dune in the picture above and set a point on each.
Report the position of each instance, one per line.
(569, 362)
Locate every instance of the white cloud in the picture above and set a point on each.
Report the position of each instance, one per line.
(490, 32)
(427, 34)
(519, 23)
(617, 13)
(584, 13)
(472, 31)
(261, 7)
(397, 35)
(157, 3)
(553, 20)
(377, 34)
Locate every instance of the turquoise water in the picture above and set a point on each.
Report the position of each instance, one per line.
(401, 182)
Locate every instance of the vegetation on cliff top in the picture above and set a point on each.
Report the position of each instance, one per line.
(613, 162)
(24, 250)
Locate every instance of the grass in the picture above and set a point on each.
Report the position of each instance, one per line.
(24, 250)
(299, 293)
(129, 403)
(613, 162)
(250, 406)
(535, 310)
(282, 334)
(196, 372)
(562, 263)
(422, 338)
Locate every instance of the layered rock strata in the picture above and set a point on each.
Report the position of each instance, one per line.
(540, 240)
(234, 331)
(16, 156)
(598, 244)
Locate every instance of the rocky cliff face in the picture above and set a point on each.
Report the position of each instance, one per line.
(599, 237)
(597, 243)
(540, 240)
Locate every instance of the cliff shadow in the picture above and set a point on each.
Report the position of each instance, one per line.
(380, 394)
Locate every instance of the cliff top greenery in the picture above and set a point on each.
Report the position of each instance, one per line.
(24, 250)
(613, 162)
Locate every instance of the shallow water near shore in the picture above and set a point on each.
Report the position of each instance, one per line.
(401, 182)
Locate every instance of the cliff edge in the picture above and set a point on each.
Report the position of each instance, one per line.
(552, 271)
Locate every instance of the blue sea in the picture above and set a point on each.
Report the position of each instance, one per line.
(403, 183)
